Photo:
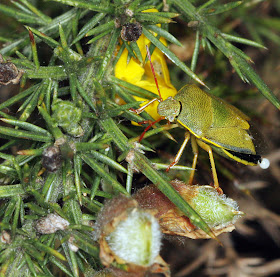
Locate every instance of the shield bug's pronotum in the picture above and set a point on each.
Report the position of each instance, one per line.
(210, 123)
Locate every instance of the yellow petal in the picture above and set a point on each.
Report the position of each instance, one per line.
(131, 72)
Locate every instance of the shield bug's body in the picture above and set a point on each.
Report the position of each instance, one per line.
(211, 123)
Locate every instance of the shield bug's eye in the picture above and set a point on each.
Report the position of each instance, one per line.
(131, 31)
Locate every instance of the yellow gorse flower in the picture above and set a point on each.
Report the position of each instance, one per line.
(141, 75)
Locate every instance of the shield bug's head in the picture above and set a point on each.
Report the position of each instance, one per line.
(169, 108)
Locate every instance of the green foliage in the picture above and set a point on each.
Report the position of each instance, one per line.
(66, 99)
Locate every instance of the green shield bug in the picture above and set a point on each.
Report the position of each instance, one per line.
(210, 123)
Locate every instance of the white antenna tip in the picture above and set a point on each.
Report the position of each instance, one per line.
(265, 163)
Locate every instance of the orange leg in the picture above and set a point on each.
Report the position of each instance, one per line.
(145, 122)
(180, 152)
(148, 127)
(208, 149)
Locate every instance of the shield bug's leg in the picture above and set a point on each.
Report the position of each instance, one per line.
(195, 153)
(141, 109)
(207, 148)
(148, 127)
(145, 122)
(180, 152)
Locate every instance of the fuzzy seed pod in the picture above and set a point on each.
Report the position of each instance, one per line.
(131, 31)
(51, 223)
(131, 239)
(215, 209)
(218, 211)
(9, 74)
(129, 236)
(51, 158)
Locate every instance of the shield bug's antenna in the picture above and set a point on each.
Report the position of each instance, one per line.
(141, 109)
(153, 70)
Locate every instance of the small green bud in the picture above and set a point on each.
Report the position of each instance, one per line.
(68, 116)
(214, 208)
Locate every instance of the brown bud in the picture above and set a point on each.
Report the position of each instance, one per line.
(131, 31)
(193, 24)
(51, 158)
(9, 73)
(117, 22)
(5, 237)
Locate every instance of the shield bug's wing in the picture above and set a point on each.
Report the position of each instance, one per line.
(231, 138)
(225, 114)
(232, 108)
(230, 128)
(230, 133)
